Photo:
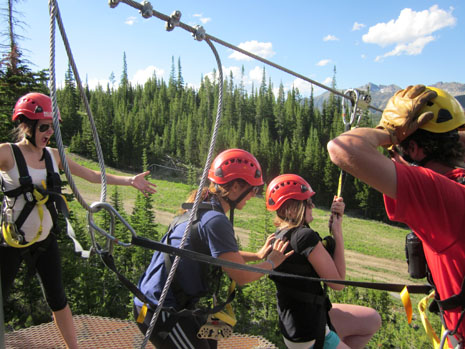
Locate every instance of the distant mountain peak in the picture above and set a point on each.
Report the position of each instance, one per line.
(380, 94)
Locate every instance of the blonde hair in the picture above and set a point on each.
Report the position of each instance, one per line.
(291, 214)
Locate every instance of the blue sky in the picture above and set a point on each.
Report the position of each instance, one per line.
(383, 42)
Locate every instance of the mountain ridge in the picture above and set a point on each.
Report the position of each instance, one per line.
(380, 94)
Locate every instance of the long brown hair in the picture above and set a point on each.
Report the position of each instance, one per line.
(220, 191)
(23, 129)
(291, 214)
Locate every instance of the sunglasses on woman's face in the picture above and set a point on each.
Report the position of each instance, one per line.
(45, 127)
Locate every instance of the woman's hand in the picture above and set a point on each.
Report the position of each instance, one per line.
(266, 248)
(139, 182)
(277, 256)
(337, 211)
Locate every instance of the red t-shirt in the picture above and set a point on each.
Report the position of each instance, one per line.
(433, 205)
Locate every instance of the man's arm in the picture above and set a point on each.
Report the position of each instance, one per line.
(356, 152)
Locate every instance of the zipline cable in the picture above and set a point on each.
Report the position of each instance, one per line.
(55, 14)
(147, 11)
(198, 196)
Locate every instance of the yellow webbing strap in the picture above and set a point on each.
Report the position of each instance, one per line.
(142, 314)
(405, 298)
(227, 315)
(422, 305)
(9, 230)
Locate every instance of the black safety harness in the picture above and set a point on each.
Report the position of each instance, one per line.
(321, 301)
(26, 189)
(51, 196)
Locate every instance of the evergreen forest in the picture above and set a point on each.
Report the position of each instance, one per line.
(168, 123)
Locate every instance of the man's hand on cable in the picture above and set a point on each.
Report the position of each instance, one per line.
(400, 117)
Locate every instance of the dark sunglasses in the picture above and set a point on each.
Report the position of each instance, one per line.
(45, 127)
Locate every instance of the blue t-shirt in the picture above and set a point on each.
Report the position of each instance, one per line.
(215, 231)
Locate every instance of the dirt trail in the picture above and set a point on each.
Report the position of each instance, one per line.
(359, 266)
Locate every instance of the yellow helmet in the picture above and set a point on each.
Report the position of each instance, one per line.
(448, 113)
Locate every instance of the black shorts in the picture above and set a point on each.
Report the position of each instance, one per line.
(181, 333)
(46, 259)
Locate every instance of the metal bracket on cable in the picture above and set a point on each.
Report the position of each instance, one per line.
(147, 9)
(360, 101)
(173, 22)
(199, 33)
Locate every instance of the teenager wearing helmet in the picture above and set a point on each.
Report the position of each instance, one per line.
(306, 317)
(422, 191)
(235, 176)
(29, 168)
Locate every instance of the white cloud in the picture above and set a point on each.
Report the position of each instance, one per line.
(256, 74)
(411, 49)
(93, 83)
(357, 26)
(141, 76)
(330, 37)
(131, 20)
(410, 32)
(262, 49)
(202, 19)
(328, 81)
(323, 62)
(363, 56)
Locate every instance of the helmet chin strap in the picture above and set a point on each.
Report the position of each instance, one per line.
(32, 138)
(233, 203)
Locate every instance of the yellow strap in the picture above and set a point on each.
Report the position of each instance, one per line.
(405, 298)
(8, 229)
(142, 314)
(227, 315)
(10, 240)
(339, 185)
(422, 305)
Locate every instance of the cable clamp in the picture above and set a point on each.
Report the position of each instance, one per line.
(199, 33)
(147, 9)
(173, 22)
(113, 3)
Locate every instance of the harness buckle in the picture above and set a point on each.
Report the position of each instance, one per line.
(9, 215)
(29, 197)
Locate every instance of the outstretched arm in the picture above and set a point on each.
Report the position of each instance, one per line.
(138, 181)
(356, 152)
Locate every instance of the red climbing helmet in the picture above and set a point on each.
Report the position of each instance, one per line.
(233, 164)
(34, 106)
(285, 187)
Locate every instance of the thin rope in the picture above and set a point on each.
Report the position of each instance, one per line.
(197, 200)
(55, 14)
(145, 8)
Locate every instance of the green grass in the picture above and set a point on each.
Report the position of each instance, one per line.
(369, 237)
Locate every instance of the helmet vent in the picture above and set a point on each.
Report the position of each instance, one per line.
(303, 188)
(443, 116)
(258, 174)
(219, 172)
(271, 202)
(38, 109)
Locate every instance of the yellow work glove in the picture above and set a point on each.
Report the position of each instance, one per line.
(400, 117)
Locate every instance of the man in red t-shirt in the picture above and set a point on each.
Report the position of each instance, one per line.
(422, 188)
